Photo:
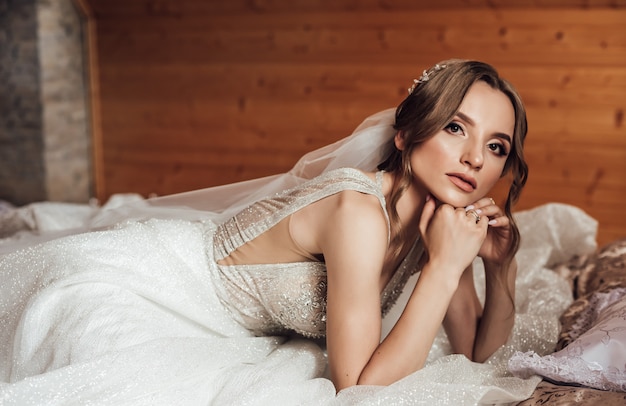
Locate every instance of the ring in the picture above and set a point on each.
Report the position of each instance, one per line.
(473, 213)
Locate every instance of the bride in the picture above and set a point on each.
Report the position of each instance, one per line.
(274, 290)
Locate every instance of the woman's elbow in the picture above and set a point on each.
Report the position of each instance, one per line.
(481, 355)
(386, 376)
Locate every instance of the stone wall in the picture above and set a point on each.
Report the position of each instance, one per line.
(22, 172)
(67, 152)
(45, 151)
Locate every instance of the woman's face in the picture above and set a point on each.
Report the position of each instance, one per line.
(463, 161)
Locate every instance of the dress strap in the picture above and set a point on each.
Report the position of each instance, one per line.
(379, 180)
(266, 213)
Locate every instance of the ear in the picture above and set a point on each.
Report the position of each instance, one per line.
(399, 141)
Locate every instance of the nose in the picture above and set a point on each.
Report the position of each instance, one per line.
(473, 156)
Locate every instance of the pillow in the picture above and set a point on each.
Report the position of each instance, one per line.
(587, 275)
(597, 358)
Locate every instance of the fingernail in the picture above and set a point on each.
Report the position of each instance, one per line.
(428, 197)
(478, 211)
(492, 222)
(470, 207)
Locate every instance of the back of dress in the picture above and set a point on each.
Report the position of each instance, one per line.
(289, 297)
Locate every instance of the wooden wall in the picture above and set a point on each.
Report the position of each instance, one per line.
(195, 93)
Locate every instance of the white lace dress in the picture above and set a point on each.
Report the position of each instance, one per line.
(141, 314)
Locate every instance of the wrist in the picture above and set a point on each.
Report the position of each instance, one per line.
(501, 275)
(444, 277)
(500, 267)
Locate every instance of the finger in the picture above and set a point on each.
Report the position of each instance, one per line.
(485, 207)
(485, 202)
(489, 211)
(500, 221)
(483, 222)
(427, 215)
(473, 215)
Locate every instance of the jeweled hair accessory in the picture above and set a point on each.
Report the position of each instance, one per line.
(426, 76)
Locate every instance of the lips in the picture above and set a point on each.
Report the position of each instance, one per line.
(462, 181)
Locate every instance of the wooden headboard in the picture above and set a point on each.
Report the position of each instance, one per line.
(194, 93)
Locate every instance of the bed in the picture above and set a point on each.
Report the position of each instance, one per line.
(560, 242)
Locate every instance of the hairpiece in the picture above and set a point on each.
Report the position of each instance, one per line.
(426, 76)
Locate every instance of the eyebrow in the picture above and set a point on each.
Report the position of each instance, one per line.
(467, 119)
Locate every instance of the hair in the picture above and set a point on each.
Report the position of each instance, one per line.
(429, 107)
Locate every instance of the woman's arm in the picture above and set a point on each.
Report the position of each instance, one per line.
(405, 349)
(354, 258)
(463, 316)
(353, 239)
(498, 316)
(476, 332)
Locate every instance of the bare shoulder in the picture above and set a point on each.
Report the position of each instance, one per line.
(355, 227)
(354, 209)
(347, 216)
(345, 205)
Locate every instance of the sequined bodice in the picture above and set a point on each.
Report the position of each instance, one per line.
(291, 297)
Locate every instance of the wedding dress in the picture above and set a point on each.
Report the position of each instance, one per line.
(139, 312)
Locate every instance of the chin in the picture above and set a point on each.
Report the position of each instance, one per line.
(455, 201)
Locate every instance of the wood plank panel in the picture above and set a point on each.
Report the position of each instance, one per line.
(587, 38)
(212, 123)
(186, 8)
(151, 177)
(555, 88)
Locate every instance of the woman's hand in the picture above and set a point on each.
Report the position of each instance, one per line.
(452, 237)
(498, 239)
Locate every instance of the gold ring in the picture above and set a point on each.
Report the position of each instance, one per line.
(473, 213)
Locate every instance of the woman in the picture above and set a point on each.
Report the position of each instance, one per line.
(460, 129)
(318, 258)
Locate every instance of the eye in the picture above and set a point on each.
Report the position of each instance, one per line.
(454, 128)
(499, 149)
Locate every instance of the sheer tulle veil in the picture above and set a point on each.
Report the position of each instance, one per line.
(364, 149)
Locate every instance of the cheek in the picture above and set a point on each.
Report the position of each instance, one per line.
(427, 161)
(434, 150)
(493, 172)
